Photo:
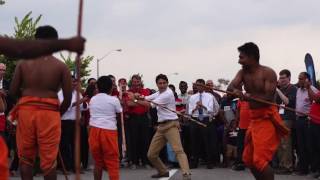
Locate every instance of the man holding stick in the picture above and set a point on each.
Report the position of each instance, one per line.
(266, 128)
(167, 130)
(37, 81)
(30, 49)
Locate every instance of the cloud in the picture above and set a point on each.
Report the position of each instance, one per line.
(194, 38)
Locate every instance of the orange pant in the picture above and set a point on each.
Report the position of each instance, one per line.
(104, 148)
(262, 138)
(4, 171)
(38, 131)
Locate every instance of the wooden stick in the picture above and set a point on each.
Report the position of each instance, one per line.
(124, 144)
(178, 113)
(282, 128)
(63, 166)
(257, 99)
(124, 147)
(77, 128)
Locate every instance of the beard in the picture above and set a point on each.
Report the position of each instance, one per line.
(245, 67)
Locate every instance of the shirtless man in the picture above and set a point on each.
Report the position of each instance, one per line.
(262, 137)
(35, 48)
(38, 81)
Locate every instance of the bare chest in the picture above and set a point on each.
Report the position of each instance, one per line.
(254, 82)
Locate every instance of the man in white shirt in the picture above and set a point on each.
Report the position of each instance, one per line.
(303, 104)
(103, 137)
(68, 120)
(203, 106)
(167, 130)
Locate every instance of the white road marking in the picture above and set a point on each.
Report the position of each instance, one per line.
(171, 173)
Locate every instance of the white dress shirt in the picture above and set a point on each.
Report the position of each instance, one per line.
(70, 114)
(166, 99)
(208, 101)
(303, 102)
(103, 111)
(1, 83)
(1, 87)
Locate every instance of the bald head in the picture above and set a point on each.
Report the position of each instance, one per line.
(209, 83)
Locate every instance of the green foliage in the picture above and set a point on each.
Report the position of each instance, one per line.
(222, 82)
(2, 2)
(24, 29)
(84, 71)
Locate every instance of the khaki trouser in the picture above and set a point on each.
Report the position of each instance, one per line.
(168, 131)
(285, 149)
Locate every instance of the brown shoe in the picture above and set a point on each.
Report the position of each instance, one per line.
(160, 175)
(186, 176)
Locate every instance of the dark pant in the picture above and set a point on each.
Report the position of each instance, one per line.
(209, 137)
(119, 130)
(240, 145)
(139, 136)
(315, 146)
(186, 138)
(303, 143)
(67, 143)
(84, 146)
(15, 162)
(294, 144)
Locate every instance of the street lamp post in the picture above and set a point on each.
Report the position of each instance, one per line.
(175, 73)
(108, 53)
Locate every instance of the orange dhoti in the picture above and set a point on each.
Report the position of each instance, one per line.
(104, 148)
(262, 137)
(4, 171)
(38, 131)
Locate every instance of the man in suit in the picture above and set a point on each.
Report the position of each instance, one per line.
(4, 87)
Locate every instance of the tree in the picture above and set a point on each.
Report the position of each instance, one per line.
(24, 29)
(84, 71)
(2, 2)
(222, 82)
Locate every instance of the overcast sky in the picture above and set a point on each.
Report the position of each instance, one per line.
(194, 38)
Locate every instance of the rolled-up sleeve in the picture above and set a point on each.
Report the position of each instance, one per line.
(191, 105)
(216, 107)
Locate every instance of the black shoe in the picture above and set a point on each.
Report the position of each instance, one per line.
(239, 167)
(301, 173)
(210, 166)
(193, 166)
(160, 175)
(283, 171)
(316, 175)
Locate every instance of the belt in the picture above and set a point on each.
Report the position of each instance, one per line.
(302, 116)
(206, 120)
(163, 122)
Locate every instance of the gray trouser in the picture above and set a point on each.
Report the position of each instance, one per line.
(284, 152)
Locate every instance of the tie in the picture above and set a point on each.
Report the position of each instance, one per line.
(200, 110)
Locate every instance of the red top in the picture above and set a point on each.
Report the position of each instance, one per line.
(179, 106)
(315, 111)
(115, 93)
(139, 109)
(244, 114)
(123, 100)
(2, 123)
